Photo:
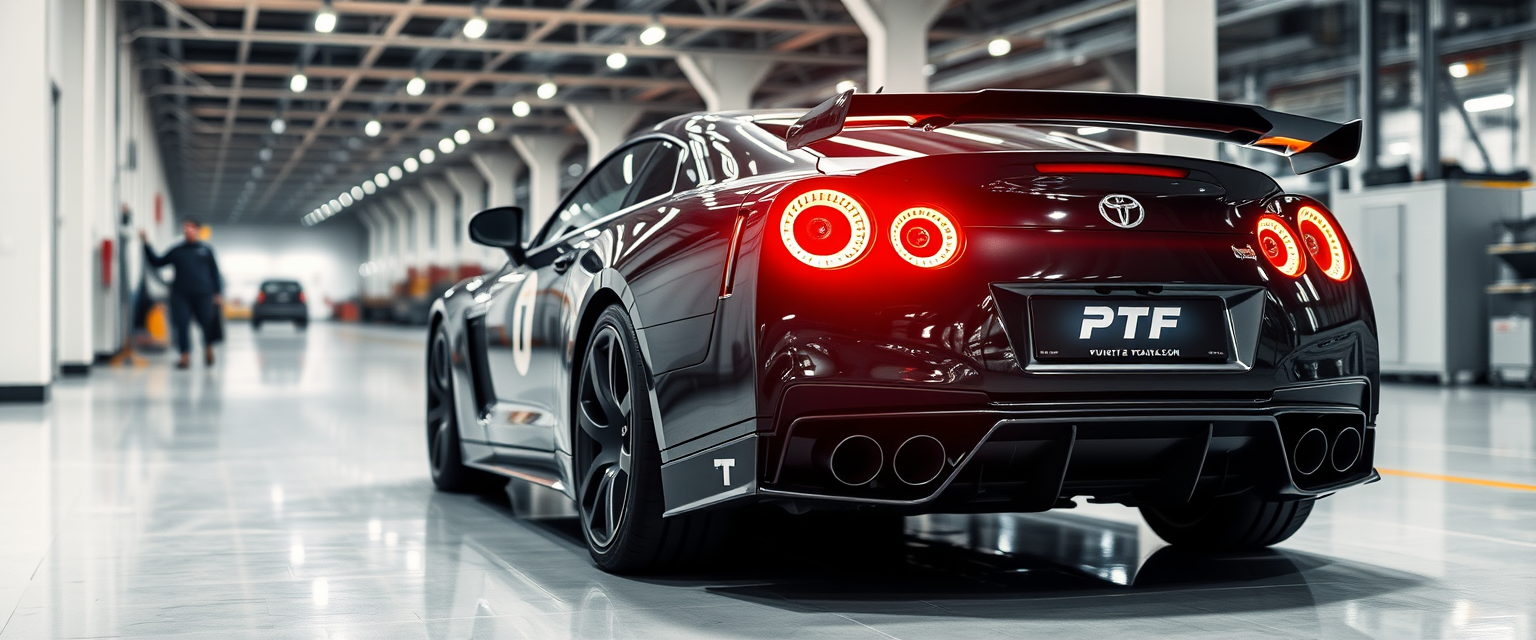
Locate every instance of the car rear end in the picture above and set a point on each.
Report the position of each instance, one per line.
(282, 301)
(1001, 331)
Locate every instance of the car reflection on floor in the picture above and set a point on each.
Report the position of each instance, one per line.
(961, 568)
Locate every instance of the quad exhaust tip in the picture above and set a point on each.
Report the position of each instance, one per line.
(1347, 447)
(919, 460)
(1310, 453)
(856, 460)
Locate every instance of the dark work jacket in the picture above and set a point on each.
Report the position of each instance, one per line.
(197, 273)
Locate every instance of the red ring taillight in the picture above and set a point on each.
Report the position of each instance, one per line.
(1323, 242)
(1279, 246)
(925, 237)
(826, 229)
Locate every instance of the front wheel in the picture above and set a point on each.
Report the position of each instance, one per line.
(444, 452)
(618, 465)
(1243, 521)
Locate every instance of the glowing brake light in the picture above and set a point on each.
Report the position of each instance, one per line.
(261, 296)
(1119, 169)
(825, 229)
(1323, 242)
(925, 237)
(301, 296)
(1279, 246)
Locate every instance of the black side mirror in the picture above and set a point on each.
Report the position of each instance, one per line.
(500, 227)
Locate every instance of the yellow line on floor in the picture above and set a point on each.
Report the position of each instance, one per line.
(1457, 479)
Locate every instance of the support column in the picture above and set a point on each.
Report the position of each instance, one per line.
(1429, 89)
(499, 168)
(76, 280)
(897, 32)
(101, 168)
(371, 254)
(419, 219)
(604, 126)
(445, 255)
(471, 189)
(725, 82)
(399, 218)
(26, 222)
(1525, 105)
(1176, 56)
(542, 153)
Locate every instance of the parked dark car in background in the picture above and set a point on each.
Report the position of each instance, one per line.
(922, 303)
(280, 300)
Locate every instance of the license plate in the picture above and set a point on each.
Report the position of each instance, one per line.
(1066, 330)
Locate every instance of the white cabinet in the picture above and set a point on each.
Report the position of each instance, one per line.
(1422, 248)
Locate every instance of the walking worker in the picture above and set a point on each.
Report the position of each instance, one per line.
(196, 292)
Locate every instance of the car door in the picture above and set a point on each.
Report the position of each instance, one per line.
(528, 320)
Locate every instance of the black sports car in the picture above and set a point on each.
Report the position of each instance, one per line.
(912, 304)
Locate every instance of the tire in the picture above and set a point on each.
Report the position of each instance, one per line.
(301, 324)
(256, 325)
(618, 465)
(1234, 523)
(444, 453)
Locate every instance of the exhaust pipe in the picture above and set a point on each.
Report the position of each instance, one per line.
(1346, 449)
(856, 460)
(1310, 452)
(919, 460)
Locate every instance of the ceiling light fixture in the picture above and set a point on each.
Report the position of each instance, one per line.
(486, 125)
(299, 82)
(617, 60)
(346, 199)
(411, 165)
(427, 156)
(1459, 70)
(1489, 103)
(547, 90)
(521, 109)
(417, 85)
(357, 193)
(373, 128)
(461, 136)
(653, 34)
(279, 125)
(445, 145)
(382, 180)
(325, 21)
(369, 187)
(475, 26)
(395, 173)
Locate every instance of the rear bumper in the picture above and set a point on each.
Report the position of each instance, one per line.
(280, 312)
(1032, 457)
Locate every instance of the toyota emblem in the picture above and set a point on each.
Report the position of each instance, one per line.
(1121, 210)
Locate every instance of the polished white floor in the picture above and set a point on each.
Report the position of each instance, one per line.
(284, 494)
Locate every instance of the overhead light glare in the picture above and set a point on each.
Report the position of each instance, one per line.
(411, 165)
(1459, 70)
(1091, 131)
(357, 193)
(847, 85)
(373, 128)
(298, 83)
(369, 187)
(521, 109)
(617, 60)
(395, 173)
(1490, 103)
(346, 199)
(475, 27)
(427, 156)
(445, 145)
(325, 21)
(1400, 148)
(417, 86)
(279, 126)
(653, 34)
(382, 180)
(486, 125)
(999, 47)
(547, 90)
(461, 136)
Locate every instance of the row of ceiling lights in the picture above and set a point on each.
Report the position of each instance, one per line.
(384, 178)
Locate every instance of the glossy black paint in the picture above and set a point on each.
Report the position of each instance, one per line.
(785, 359)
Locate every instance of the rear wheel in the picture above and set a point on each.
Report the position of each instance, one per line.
(618, 465)
(1243, 521)
(443, 448)
(256, 325)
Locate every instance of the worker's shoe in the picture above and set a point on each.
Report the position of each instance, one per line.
(208, 356)
(184, 362)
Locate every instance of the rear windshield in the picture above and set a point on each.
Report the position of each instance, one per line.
(901, 141)
(279, 287)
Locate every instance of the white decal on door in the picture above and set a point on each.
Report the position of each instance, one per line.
(724, 465)
(522, 323)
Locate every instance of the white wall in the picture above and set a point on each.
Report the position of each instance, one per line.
(324, 258)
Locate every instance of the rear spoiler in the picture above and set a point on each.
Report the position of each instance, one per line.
(1310, 143)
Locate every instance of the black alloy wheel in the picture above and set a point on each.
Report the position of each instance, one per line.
(618, 465)
(606, 408)
(443, 449)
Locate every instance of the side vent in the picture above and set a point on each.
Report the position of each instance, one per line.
(479, 369)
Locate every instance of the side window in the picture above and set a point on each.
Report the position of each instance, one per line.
(603, 192)
(658, 176)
